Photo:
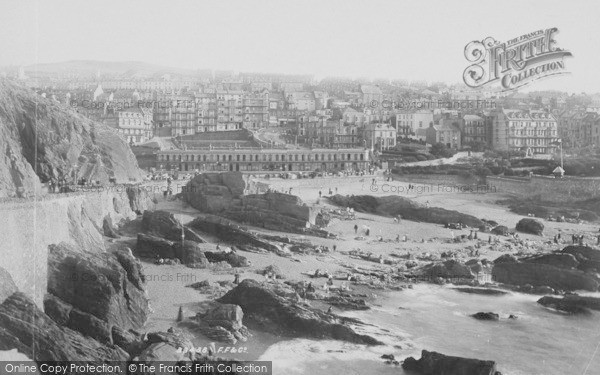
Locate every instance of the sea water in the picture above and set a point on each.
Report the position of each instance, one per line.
(437, 318)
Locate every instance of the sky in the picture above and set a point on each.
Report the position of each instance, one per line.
(414, 40)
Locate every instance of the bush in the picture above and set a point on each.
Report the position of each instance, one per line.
(441, 151)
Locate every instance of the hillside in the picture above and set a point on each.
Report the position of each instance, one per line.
(66, 142)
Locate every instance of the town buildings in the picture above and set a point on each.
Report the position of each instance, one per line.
(135, 124)
(517, 130)
(380, 136)
(473, 130)
(259, 159)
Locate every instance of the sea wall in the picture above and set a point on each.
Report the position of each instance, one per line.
(547, 188)
(27, 227)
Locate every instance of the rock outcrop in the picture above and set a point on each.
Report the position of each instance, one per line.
(588, 258)
(96, 291)
(539, 274)
(227, 230)
(486, 316)
(227, 195)
(62, 140)
(572, 304)
(450, 269)
(273, 307)
(223, 322)
(531, 226)
(405, 207)
(152, 247)
(164, 224)
(23, 326)
(433, 363)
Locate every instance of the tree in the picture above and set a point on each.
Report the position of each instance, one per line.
(440, 150)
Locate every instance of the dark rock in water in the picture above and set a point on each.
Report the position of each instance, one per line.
(535, 274)
(433, 363)
(448, 269)
(21, 320)
(557, 260)
(531, 226)
(231, 232)
(108, 286)
(233, 259)
(164, 224)
(388, 357)
(275, 309)
(108, 228)
(571, 303)
(542, 289)
(394, 205)
(501, 230)
(486, 316)
(484, 291)
(511, 316)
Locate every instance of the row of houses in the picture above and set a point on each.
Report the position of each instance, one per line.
(580, 128)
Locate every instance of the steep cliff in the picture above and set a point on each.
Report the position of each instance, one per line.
(40, 139)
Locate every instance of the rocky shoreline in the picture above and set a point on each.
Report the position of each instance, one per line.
(96, 305)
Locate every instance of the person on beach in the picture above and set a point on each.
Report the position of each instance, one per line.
(236, 280)
(398, 238)
(355, 228)
(320, 194)
(329, 310)
(330, 280)
(310, 288)
(334, 247)
(367, 232)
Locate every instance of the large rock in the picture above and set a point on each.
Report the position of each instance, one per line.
(531, 226)
(588, 258)
(107, 286)
(276, 310)
(227, 195)
(571, 303)
(486, 316)
(223, 322)
(164, 224)
(26, 328)
(501, 230)
(229, 231)
(519, 273)
(433, 363)
(557, 260)
(405, 207)
(191, 253)
(233, 259)
(450, 269)
(41, 139)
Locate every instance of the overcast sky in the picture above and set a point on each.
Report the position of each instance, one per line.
(416, 40)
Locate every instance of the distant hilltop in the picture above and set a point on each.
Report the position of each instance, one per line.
(129, 69)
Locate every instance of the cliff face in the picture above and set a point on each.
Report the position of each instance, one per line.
(65, 143)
